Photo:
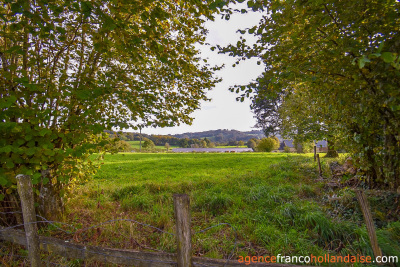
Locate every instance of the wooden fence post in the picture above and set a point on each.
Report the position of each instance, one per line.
(315, 153)
(369, 222)
(319, 166)
(183, 234)
(25, 192)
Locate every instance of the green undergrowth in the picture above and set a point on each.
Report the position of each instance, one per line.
(273, 202)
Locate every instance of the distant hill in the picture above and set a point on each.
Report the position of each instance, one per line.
(222, 136)
(218, 137)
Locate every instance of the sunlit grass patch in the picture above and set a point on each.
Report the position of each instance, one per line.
(274, 202)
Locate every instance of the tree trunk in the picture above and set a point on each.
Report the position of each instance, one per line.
(140, 140)
(51, 204)
(391, 161)
(332, 153)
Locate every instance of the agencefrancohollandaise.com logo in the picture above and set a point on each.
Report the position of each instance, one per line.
(326, 258)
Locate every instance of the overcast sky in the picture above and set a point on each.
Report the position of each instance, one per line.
(223, 111)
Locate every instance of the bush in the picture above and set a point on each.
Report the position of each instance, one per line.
(148, 144)
(251, 144)
(287, 149)
(117, 145)
(268, 144)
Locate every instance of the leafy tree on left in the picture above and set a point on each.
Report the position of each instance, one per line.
(70, 70)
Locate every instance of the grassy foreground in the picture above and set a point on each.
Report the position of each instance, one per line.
(274, 201)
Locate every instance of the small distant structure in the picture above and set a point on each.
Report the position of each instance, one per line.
(211, 150)
(322, 146)
(287, 143)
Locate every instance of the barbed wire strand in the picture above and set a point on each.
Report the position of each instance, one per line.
(10, 212)
(45, 220)
(128, 220)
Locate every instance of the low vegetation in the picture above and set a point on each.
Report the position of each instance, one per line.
(274, 202)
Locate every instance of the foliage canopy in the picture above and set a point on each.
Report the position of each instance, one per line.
(69, 70)
(341, 57)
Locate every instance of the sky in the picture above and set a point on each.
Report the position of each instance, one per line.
(223, 111)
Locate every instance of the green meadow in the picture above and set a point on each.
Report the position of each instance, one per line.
(273, 202)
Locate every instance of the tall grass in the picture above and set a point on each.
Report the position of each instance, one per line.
(274, 201)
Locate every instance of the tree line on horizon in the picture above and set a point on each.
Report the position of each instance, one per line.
(210, 138)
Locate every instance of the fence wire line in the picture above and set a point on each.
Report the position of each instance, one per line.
(10, 212)
(45, 220)
(128, 220)
(84, 229)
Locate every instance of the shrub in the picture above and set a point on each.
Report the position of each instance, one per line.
(117, 145)
(268, 144)
(148, 144)
(286, 149)
(251, 144)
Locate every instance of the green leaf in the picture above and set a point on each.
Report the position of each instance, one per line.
(44, 131)
(45, 180)
(10, 164)
(9, 101)
(15, 49)
(36, 178)
(380, 47)
(6, 149)
(30, 151)
(362, 61)
(37, 175)
(3, 180)
(388, 57)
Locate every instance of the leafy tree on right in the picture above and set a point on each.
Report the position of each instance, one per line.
(343, 55)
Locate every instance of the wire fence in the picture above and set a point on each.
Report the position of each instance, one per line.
(75, 247)
(74, 231)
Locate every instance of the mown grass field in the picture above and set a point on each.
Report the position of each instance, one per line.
(274, 201)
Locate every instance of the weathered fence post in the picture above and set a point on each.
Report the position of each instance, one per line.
(319, 166)
(25, 192)
(369, 222)
(183, 234)
(315, 153)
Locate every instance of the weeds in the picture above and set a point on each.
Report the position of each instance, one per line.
(275, 201)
